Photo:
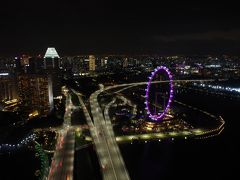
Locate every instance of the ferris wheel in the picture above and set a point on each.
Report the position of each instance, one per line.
(159, 115)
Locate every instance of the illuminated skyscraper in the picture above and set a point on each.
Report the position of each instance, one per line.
(51, 59)
(8, 89)
(104, 61)
(35, 93)
(52, 68)
(125, 63)
(22, 63)
(92, 63)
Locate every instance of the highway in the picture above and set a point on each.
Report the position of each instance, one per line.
(63, 160)
(112, 138)
(130, 85)
(104, 128)
(102, 148)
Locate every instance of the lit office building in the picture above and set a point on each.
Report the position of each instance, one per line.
(125, 62)
(35, 94)
(51, 59)
(80, 65)
(27, 64)
(52, 67)
(8, 89)
(104, 61)
(92, 63)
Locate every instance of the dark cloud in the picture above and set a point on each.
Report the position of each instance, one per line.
(231, 35)
(109, 26)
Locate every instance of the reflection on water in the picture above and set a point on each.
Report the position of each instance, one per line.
(212, 158)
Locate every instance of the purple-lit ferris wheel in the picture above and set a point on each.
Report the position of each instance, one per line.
(157, 116)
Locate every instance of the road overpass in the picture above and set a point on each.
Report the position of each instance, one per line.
(107, 158)
(104, 127)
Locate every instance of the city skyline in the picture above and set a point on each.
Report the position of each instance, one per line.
(106, 105)
(126, 90)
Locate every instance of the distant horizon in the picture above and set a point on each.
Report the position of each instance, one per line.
(117, 54)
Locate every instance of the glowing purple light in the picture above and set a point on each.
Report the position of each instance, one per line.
(159, 116)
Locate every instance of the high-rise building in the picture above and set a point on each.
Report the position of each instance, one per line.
(35, 65)
(8, 89)
(80, 64)
(7, 65)
(104, 61)
(56, 82)
(35, 93)
(92, 63)
(52, 68)
(51, 59)
(125, 62)
(17, 62)
(27, 64)
(24, 62)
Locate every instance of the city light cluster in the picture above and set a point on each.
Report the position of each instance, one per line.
(23, 142)
(217, 87)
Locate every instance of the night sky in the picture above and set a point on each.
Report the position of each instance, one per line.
(108, 27)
